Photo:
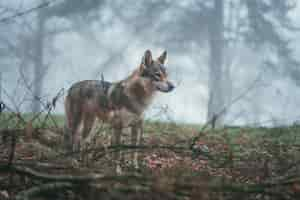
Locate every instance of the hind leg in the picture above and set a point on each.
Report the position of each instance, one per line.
(73, 119)
(75, 130)
(67, 140)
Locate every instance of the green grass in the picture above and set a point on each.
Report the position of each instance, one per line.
(245, 150)
(288, 135)
(12, 120)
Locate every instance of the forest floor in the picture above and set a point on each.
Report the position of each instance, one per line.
(177, 161)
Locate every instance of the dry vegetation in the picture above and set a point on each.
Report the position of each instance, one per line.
(244, 163)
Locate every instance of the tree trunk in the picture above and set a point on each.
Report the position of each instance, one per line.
(216, 100)
(39, 68)
(1, 86)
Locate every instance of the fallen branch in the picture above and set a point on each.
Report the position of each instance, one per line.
(56, 177)
(90, 177)
(37, 190)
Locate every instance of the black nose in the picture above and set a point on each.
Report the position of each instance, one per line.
(171, 86)
(2, 106)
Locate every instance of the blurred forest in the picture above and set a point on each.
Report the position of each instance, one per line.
(229, 130)
(218, 50)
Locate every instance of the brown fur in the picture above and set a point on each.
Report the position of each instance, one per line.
(120, 104)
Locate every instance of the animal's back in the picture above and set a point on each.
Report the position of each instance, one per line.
(88, 89)
(86, 97)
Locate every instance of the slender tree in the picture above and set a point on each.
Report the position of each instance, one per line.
(216, 43)
(38, 62)
(262, 28)
(66, 10)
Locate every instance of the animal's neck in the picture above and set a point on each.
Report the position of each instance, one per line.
(139, 91)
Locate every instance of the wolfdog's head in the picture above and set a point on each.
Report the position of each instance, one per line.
(156, 72)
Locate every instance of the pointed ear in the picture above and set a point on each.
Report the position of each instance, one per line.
(162, 58)
(147, 58)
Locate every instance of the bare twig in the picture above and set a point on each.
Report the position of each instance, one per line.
(225, 108)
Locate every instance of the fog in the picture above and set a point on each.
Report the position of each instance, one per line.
(87, 39)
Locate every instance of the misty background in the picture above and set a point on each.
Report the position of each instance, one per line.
(241, 55)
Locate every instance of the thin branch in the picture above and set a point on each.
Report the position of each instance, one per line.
(225, 108)
(27, 11)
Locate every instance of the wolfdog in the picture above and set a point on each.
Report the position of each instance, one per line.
(121, 104)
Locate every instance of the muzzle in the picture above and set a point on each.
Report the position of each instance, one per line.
(165, 86)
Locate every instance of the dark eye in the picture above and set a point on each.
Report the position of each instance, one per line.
(156, 76)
